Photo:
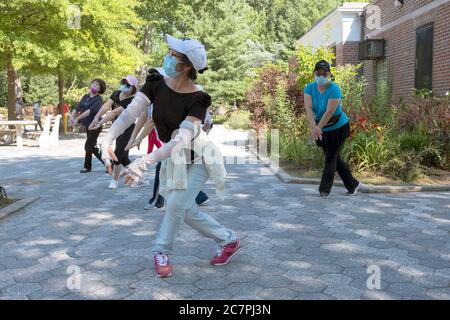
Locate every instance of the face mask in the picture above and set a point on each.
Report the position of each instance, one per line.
(169, 66)
(94, 89)
(321, 81)
(123, 88)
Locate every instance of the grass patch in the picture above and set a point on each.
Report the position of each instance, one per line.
(6, 202)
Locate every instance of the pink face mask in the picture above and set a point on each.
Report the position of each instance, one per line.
(94, 89)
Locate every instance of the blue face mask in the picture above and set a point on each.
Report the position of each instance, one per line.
(321, 80)
(123, 88)
(169, 66)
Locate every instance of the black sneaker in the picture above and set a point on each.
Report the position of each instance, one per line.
(160, 203)
(85, 170)
(324, 194)
(354, 191)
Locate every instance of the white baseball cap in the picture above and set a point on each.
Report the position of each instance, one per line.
(193, 49)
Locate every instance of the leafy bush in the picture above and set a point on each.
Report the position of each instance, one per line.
(404, 166)
(380, 109)
(352, 87)
(430, 115)
(431, 157)
(239, 119)
(306, 59)
(413, 141)
(368, 149)
(301, 152)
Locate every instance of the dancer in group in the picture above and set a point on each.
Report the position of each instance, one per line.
(85, 112)
(157, 200)
(116, 104)
(179, 107)
(329, 127)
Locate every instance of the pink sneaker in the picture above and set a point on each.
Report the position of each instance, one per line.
(163, 268)
(225, 253)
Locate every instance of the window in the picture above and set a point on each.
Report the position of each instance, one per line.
(424, 57)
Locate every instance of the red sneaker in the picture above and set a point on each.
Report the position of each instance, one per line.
(225, 253)
(163, 268)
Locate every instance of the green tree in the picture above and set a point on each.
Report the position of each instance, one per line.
(27, 29)
(225, 30)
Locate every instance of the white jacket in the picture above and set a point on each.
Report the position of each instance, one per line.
(173, 174)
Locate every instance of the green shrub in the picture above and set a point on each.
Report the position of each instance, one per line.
(381, 111)
(307, 57)
(368, 149)
(404, 166)
(301, 152)
(239, 119)
(220, 119)
(431, 157)
(352, 86)
(413, 141)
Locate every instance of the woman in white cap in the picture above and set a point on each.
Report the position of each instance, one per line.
(179, 107)
(117, 102)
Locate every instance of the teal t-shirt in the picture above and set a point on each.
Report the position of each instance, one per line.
(320, 103)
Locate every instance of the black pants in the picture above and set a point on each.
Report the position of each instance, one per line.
(156, 197)
(332, 143)
(91, 148)
(121, 143)
(39, 123)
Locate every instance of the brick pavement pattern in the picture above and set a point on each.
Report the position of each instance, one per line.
(295, 245)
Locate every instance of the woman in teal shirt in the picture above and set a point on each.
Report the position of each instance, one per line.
(329, 127)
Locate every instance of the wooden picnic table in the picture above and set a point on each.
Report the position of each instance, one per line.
(19, 124)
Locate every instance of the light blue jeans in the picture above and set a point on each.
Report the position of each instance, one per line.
(180, 205)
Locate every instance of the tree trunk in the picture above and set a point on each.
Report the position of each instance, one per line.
(11, 79)
(61, 98)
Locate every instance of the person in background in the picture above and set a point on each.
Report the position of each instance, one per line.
(118, 102)
(19, 108)
(329, 127)
(85, 112)
(37, 115)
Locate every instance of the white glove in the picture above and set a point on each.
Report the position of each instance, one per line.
(135, 170)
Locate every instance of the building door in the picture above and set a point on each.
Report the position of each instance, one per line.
(424, 57)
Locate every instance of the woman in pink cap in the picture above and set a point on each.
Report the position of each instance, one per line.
(118, 102)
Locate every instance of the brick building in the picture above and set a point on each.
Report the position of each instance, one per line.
(416, 36)
(405, 43)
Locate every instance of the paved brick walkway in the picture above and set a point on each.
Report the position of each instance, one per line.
(295, 245)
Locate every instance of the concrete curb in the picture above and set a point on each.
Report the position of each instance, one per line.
(16, 206)
(287, 178)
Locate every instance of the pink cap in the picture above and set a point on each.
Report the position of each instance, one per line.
(132, 80)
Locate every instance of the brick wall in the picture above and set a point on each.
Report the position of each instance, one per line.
(351, 52)
(339, 54)
(441, 51)
(389, 12)
(401, 49)
(347, 53)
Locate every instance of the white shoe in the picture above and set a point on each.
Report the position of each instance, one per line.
(113, 184)
(355, 191)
